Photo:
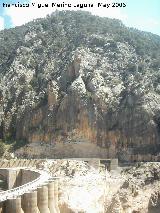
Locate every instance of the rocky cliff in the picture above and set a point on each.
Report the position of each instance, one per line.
(83, 82)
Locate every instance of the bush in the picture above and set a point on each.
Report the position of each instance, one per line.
(18, 144)
(2, 148)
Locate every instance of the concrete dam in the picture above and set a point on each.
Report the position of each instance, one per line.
(29, 190)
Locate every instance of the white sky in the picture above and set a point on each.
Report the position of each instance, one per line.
(140, 14)
(20, 16)
(1, 23)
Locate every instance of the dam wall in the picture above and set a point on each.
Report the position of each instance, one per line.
(33, 201)
(29, 190)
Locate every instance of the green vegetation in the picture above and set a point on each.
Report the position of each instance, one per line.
(11, 145)
(18, 144)
(41, 51)
(72, 28)
(2, 148)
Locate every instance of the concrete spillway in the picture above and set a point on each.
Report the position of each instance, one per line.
(1, 207)
(13, 205)
(40, 195)
(33, 191)
(51, 198)
(29, 203)
(41, 200)
(56, 195)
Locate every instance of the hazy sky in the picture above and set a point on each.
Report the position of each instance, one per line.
(140, 14)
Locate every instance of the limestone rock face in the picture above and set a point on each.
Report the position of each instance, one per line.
(65, 81)
(141, 188)
(52, 94)
(115, 205)
(154, 202)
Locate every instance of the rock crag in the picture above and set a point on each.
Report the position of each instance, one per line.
(84, 82)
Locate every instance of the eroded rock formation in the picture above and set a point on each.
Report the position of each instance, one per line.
(65, 81)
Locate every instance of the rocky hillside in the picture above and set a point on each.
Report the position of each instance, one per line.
(84, 82)
(133, 190)
(139, 192)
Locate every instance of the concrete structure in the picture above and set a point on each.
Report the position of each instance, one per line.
(32, 163)
(38, 201)
(56, 195)
(13, 205)
(31, 191)
(29, 203)
(42, 197)
(51, 198)
(110, 164)
(35, 191)
(1, 207)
